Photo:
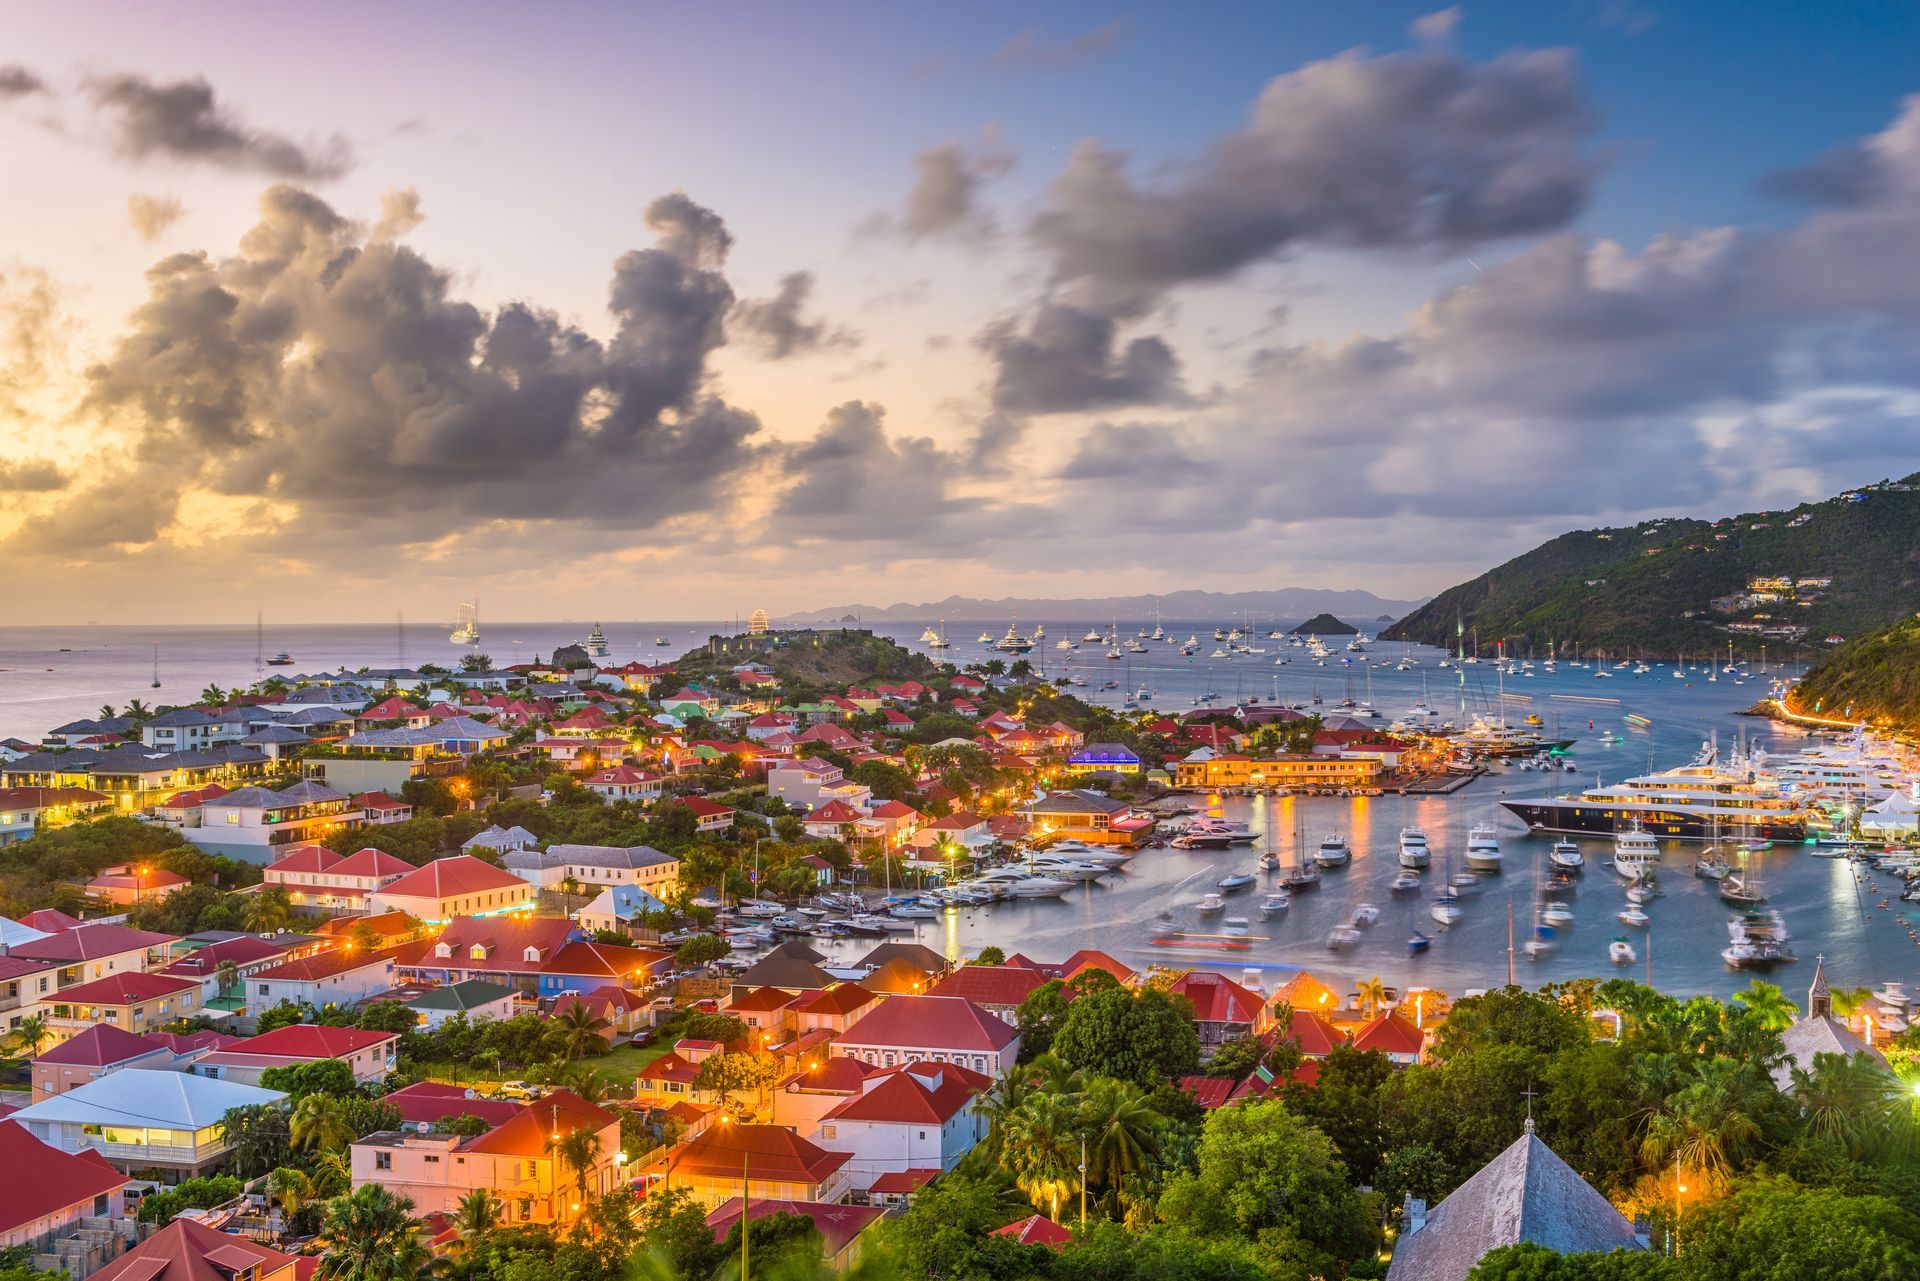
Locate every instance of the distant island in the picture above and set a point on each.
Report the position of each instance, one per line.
(1225, 607)
(1325, 625)
(1808, 577)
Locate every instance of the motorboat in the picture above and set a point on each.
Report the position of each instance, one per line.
(1341, 937)
(1269, 862)
(1711, 866)
(1644, 890)
(1234, 881)
(1235, 925)
(1418, 943)
(1483, 848)
(1333, 851)
(1274, 904)
(1558, 915)
(1635, 853)
(1413, 848)
(1736, 889)
(1621, 952)
(1632, 915)
(1365, 914)
(1566, 854)
(1445, 908)
(1070, 869)
(1405, 882)
(1212, 904)
(918, 910)
(1302, 878)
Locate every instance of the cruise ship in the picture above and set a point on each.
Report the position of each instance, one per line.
(1696, 802)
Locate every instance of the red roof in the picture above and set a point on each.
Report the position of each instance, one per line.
(371, 863)
(1209, 1092)
(670, 1066)
(1390, 1034)
(704, 808)
(841, 998)
(86, 942)
(837, 1225)
(835, 811)
(761, 1000)
(529, 1133)
(1217, 998)
(1035, 1229)
(125, 989)
(452, 877)
(428, 1101)
(772, 1152)
(926, 1093)
(305, 858)
(37, 1180)
(193, 797)
(50, 919)
(322, 965)
(903, 1182)
(990, 984)
(1314, 1034)
(189, 1251)
(98, 1046)
(832, 1076)
(894, 809)
(603, 1001)
(158, 878)
(931, 1023)
(310, 1041)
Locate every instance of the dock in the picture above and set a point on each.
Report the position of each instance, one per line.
(1435, 784)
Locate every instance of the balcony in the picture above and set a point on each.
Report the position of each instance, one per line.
(157, 1153)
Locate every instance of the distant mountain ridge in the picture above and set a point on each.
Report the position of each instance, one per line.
(1839, 567)
(1281, 603)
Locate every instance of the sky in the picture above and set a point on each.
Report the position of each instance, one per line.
(659, 311)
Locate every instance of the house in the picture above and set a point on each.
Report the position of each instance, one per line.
(764, 1011)
(371, 1055)
(625, 783)
(1393, 1035)
(932, 1029)
(251, 823)
(186, 1250)
(835, 821)
(1103, 758)
(131, 1002)
(48, 967)
(45, 1193)
(138, 884)
(918, 1117)
(460, 885)
(1527, 1193)
(318, 880)
(889, 823)
(1035, 1229)
(619, 909)
(501, 839)
(1088, 816)
(812, 781)
(541, 957)
(427, 1102)
(961, 830)
(831, 1010)
(515, 1160)
(381, 809)
(24, 810)
(998, 989)
(841, 1227)
(624, 1010)
(1222, 1009)
(776, 1162)
(792, 967)
(138, 1119)
(478, 999)
(596, 865)
(1208, 769)
(709, 816)
(91, 1054)
(341, 976)
(388, 928)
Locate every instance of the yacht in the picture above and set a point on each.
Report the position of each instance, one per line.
(466, 627)
(1621, 952)
(596, 645)
(1483, 848)
(1274, 904)
(1069, 869)
(1636, 853)
(1234, 881)
(1333, 851)
(1093, 636)
(1017, 882)
(1567, 854)
(1688, 804)
(1013, 642)
(1558, 915)
(1632, 915)
(1413, 848)
(1712, 867)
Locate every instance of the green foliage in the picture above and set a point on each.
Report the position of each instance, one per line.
(989, 956)
(262, 1139)
(1530, 1262)
(285, 1014)
(1875, 676)
(701, 949)
(192, 1194)
(943, 1235)
(724, 1028)
(33, 872)
(466, 1124)
(1145, 1035)
(321, 1076)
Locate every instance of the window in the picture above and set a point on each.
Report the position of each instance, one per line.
(832, 1131)
(434, 1159)
(383, 1160)
(923, 1134)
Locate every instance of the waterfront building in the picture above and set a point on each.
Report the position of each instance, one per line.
(1205, 769)
(920, 1116)
(1103, 758)
(25, 810)
(596, 866)
(1085, 815)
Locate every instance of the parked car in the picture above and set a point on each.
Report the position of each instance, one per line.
(515, 1090)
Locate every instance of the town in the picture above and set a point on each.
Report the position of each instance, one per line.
(515, 967)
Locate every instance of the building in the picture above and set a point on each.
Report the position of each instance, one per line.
(45, 1193)
(478, 999)
(772, 1160)
(1393, 1035)
(371, 1055)
(620, 909)
(708, 816)
(931, 1029)
(188, 1251)
(338, 977)
(82, 953)
(1819, 1033)
(596, 866)
(131, 1002)
(1103, 758)
(1222, 1009)
(1525, 1194)
(138, 884)
(917, 1117)
(515, 1160)
(1088, 816)
(1208, 770)
(91, 1054)
(24, 810)
(318, 880)
(458, 886)
(997, 989)
(252, 823)
(1035, 1229)
(841, 1227)
(540, 957)
(625, 783)
(138, 1119)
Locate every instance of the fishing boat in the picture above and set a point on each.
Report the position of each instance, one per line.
(1333, 851)
(1566, 854)
(1234, 881)
(1635, 853)
(1621, 952)
(1483, 848)
(1274, 904)
(1413, 848)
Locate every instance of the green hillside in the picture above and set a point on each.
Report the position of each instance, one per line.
(1634, 588)
(1876, 677)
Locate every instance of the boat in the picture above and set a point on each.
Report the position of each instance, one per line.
(1274, 904)
(1635, 853)
(1567, 855)
(1413, 848)
(1070, 869)
(1418, 943)
(1691, 803)
(1632, 915)
(1711, 866)
(596, 643)
(938, 639)
(1644, 890)
(1558, 915)
(1333, 851)
(1013, 642)
(1365, 914)
(1621, 952)
(1211, 904)
(1483, 848)
(661, 641)
(1234, 881)
(1405, 882)
(1736, 889)
(1341, 937)
(1445, 907)
(915, 911)
(466, 625)
(1269, 862)
(1093, 636)
(282, 659)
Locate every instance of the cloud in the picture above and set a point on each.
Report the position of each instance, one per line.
(399, 213)
(1032, 51)
(32, 337)
(944, 200)
(29, 475)
(1409, 151)
(1070, 359)
(18, 82)
(343, 384)
(182, 121)
(152, 215)
(1859, 173)
(778, 327)
(1437, 27)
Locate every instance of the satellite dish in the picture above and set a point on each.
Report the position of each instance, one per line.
(473, 1094)
(425, 1127)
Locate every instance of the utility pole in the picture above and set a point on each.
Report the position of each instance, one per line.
(1083, 1183)
(745, 1203)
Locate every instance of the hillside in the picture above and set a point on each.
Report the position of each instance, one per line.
(1325, 625)
(1654, 586)
(1876, 677)
(827, 659)
(1284, 602)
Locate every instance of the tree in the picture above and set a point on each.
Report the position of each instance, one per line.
(260, 1138)
(32, 1033)
(701, 949)
(320, 1121)
(213, 695)
(1776, 1229)
(579, 1151)
(1145, 1035)
(1709, 1126)
(267, 911)
(1344, 1104)
(1040, 1144)
(989, 956)
(725, 1074)
(477, 1214)
(1372, 994)
(1530, 1262)
(275, 1017)
(1121, 1129)
(226, 975)
(318, 1076)
(476, 662)
(581, 1030)
(291, 1187)
(365, 1233)
(1767, 1003)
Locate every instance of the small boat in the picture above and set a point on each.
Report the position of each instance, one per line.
(1567, 854)
(1269, 862)
(1560, 881)
(1621, 952)
(1341, 937)
(662, 641)
(1632, 915)
(1301, 878)
(1735, 889)
(1445, 907)
(1644, 890)
(282, 659)
(1635, 852)
(1365, 914)
(1413, 848)
(1464, 880)
(1483, 848)
(1405, 882)
(1236, 925)
(1558, 915)
(1234, 881)
(1212, 904)
(1274, 904)
(1333, 851)
(1418, 943)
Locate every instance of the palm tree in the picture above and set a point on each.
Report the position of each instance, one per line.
(106, 712)
(33, 1033)
(1849, 1001)
(477, 1214)
(364, 1231)
(332, 1173)
(1041, 1146)
(1851, 1100)
(1120, 1127)
(321, 1121)
(266, 913)
(1372, 995)
(137, 710)
(292, 1187)
(1708, 1125)
(213, 694)
(225, 975)
(581, 1030)
(578, 1151)
(583, 1081)
(570, 888)
(1767, 1003)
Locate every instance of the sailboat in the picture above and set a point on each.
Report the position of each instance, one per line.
(156, 666)
(1301, 875)
(937, 640)
(466, 626)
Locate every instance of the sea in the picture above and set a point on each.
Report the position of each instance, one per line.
(1833, 907)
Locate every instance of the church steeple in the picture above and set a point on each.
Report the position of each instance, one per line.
(1819, 1000)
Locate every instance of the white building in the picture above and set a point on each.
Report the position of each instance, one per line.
(919, 1117)
(640, 866)
(139, 1118)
